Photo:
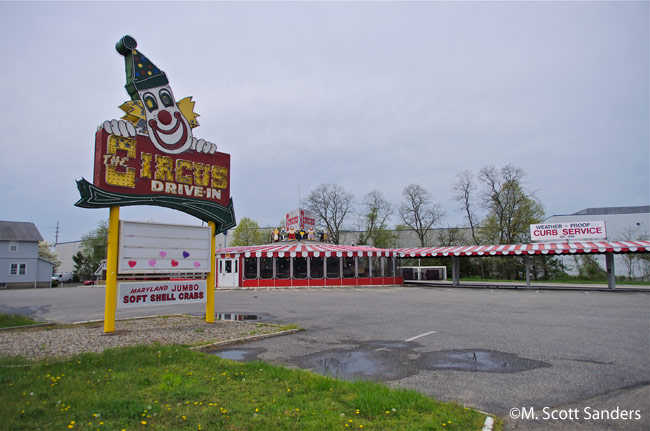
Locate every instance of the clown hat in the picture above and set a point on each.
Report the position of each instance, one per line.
(141, 73)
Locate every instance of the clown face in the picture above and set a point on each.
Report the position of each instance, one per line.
(168, 129)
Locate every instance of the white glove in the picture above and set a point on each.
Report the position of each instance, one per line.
(203, 146)
(119, 128)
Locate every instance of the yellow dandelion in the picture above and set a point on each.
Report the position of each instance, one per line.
(143, 422)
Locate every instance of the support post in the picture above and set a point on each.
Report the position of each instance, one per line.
(611, 275)
(211, 285)
(455, 270)
(111, 270)
(527, 264)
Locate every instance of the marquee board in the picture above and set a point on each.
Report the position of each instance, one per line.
(155, 248)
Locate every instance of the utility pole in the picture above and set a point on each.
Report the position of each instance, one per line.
(56, 241)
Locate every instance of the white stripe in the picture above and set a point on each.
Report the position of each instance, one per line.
(421, 335)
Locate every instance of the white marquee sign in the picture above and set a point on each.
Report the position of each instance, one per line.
(574, 231)
(161, 293)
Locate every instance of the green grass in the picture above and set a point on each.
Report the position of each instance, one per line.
(173, 388)
(9, 320)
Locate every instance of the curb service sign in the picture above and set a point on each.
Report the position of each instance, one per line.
(574, 231)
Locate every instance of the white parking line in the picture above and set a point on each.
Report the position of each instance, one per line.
(421, 335)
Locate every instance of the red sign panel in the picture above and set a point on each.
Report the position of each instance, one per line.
(133, 165)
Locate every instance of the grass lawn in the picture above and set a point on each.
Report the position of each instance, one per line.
(9, 320)
(173, 388)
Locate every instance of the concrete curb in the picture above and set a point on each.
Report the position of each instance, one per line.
(244, 339)
(35, 325)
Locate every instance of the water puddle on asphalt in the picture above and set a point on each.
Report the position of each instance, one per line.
(235, 355)
(238, 316)
(475, 360)
(346, 364)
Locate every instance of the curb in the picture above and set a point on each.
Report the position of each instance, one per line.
(35, 325)
(244, 339)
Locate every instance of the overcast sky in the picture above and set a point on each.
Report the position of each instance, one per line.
(367, 95)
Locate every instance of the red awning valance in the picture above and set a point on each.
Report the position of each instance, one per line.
(523, 249)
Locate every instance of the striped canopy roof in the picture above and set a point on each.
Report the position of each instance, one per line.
(305, 250)
(522, 249)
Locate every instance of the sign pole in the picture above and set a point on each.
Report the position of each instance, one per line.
(111, 270)
(211, 285)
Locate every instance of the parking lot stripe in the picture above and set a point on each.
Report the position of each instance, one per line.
(421, 335)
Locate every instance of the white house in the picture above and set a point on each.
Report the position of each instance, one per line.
(20, 265)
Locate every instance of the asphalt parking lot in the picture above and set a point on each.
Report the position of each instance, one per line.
(553, 359)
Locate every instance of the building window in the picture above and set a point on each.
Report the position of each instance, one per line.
(333, 267)
(364, 264)
(300, 268)
(13, 269)
(316, 267)
(13, 246)
(250, 268)
(388, 266)
(22, 269)
(349, 269)
(266, 268)
(282, 267)
(375, 266)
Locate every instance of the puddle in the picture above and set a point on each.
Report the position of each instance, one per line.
(241, 354)
(475, 360)
(235, 355)
(237, 316)
(348, 364)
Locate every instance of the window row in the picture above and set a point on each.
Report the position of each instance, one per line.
(302, 268)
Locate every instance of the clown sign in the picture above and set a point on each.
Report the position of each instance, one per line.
(151, 157)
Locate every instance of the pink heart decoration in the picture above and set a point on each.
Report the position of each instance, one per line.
(197, 264)
(174, 263)
(163, 253)
(152, 263)
(132, 263)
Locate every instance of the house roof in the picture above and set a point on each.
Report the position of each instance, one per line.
(19, 231)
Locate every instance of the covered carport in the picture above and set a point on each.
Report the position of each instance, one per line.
(608, 248)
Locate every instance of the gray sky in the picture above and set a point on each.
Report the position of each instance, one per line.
(367, 95)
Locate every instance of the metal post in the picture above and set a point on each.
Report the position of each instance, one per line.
(527, 264)
(455, 271)
(611, 276)
(209, 302)
(111, 270)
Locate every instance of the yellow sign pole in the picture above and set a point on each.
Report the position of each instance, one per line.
(111, 270)
(211, 285)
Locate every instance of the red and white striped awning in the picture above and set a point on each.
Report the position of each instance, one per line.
(305, 250)
(523, 249)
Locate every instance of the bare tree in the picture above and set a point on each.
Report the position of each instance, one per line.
(419, 212)
(464, 189)
(374, 213)
(510, 209)
(331, 203)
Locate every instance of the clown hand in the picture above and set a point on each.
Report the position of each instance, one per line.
(119, 128)
(203, 146)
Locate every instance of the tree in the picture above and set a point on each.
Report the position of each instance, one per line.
(93, 250)
(375, 211)
(464, 189)
(248, 232)
(45, 252)
(419, 212)
(82, 269)
(510, 209)
(331, 204)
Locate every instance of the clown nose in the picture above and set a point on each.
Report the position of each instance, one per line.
(126, 45)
